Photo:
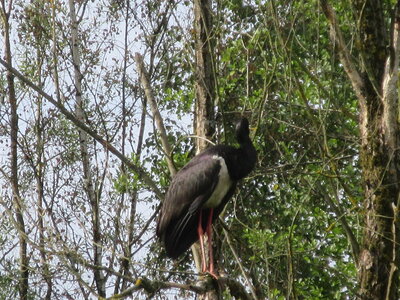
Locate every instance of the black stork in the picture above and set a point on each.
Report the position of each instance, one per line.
(199, 192)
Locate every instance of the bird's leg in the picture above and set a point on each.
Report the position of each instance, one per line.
(210, 248)
(200, 232)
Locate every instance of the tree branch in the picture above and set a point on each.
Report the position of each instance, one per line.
(144, 78)
(344, 54)
(228, 239)
(70, 116)
(151, 287)
(355, 247)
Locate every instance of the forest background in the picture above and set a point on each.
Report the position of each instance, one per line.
(102, 101)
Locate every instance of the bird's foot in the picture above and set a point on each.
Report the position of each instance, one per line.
(212, 274)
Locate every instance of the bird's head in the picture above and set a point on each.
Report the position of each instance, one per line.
(242, 131)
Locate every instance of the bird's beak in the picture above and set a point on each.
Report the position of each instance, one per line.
(253, 130)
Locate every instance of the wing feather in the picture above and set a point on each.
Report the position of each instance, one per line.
(189, 189)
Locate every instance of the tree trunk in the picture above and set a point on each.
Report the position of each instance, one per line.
(378, 260)
(205, 80)
(205, 94)
(375, 84)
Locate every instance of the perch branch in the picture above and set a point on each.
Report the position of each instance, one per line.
(150, 287)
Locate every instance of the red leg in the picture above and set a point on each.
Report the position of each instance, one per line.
(200, 232)
(210, 248)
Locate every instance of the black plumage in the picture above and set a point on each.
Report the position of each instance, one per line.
(201, 189)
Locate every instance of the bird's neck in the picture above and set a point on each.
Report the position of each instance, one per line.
(247, 158)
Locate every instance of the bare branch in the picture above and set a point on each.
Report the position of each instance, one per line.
(144, 78)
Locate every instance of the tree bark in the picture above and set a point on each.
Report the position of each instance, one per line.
(205, 79)
(375, 84)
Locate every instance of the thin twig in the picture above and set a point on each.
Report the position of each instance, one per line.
(252, 289)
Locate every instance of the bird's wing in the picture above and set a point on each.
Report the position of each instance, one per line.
(189, 189)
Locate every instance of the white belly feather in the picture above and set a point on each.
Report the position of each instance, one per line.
(224, 184)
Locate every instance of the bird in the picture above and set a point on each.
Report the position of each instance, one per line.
(199, 192)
